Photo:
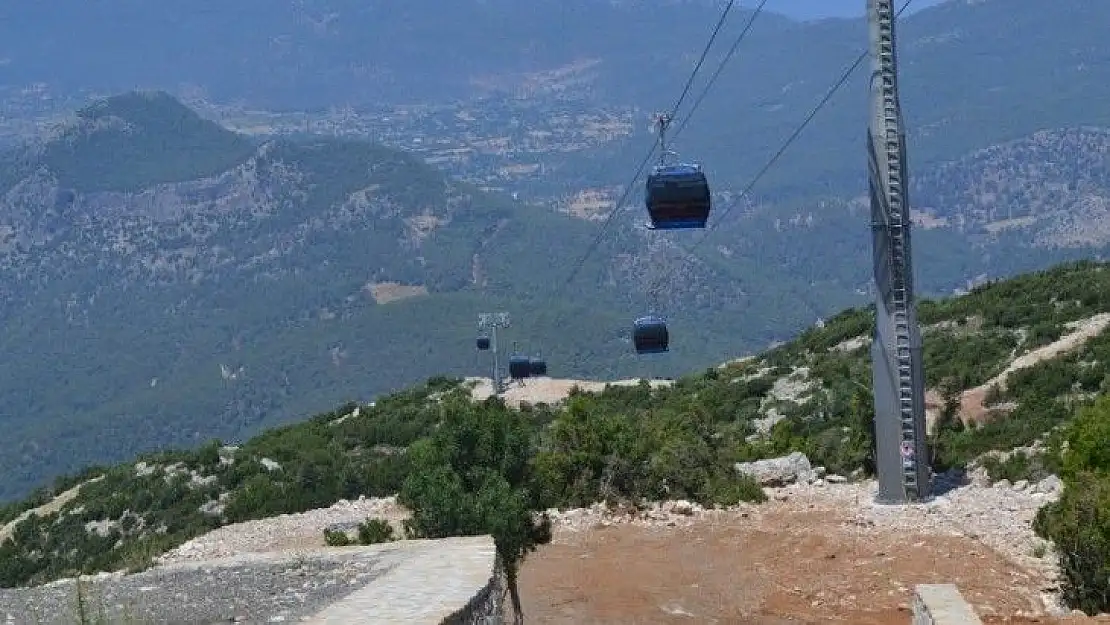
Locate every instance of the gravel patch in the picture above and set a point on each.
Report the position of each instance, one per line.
(304, 530)
(250, 591)
(999, 516)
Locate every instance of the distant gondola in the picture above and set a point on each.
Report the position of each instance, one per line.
(519, 367)
(677, 197)
(538, 367)
(483, 343)
(650, 336)
(63, 198)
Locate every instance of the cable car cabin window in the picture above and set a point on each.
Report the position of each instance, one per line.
(483, 342)
(538, 367)
(678, 197)
(650, 335)
(519, 367)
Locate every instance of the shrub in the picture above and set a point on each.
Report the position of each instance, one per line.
(375, 531)
(336, 538)
(1079, 525)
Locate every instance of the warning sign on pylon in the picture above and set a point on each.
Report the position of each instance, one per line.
(907, 449)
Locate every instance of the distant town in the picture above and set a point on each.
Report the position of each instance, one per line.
(503, 144)
(499, 143)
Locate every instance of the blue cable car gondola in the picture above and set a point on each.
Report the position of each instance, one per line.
(650, 336)
(483, 343)
(676, 196)
(538, 367)
(519, 367)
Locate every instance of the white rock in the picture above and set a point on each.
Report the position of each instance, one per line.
(781, 471)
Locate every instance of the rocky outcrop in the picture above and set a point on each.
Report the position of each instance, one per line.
(667, 513)
(781, 471)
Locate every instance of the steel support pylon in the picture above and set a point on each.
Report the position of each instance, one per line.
(491, 322)
(901, 458)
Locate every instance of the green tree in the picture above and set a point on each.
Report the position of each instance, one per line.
(949, 423)
(1087, 436)
(473, 476)
(862, 430)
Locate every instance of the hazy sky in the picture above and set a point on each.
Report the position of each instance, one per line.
(812, 9)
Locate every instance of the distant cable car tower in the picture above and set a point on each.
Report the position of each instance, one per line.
(490, 322)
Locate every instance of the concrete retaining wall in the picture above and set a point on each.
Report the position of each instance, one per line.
(941, 604)
(485, 608)
(453, 581)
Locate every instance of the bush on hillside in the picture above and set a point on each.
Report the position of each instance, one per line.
(1079, 526)
(336, 538)
(1019, 465)
(1087, 438)
(370, 532)
(592, 454)
(375, 531)
(1079, 523)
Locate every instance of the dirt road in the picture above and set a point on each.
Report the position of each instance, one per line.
(794, 562)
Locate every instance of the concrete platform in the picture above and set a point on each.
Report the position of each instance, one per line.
(448, 582)
(941, 604)
(418, 582)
